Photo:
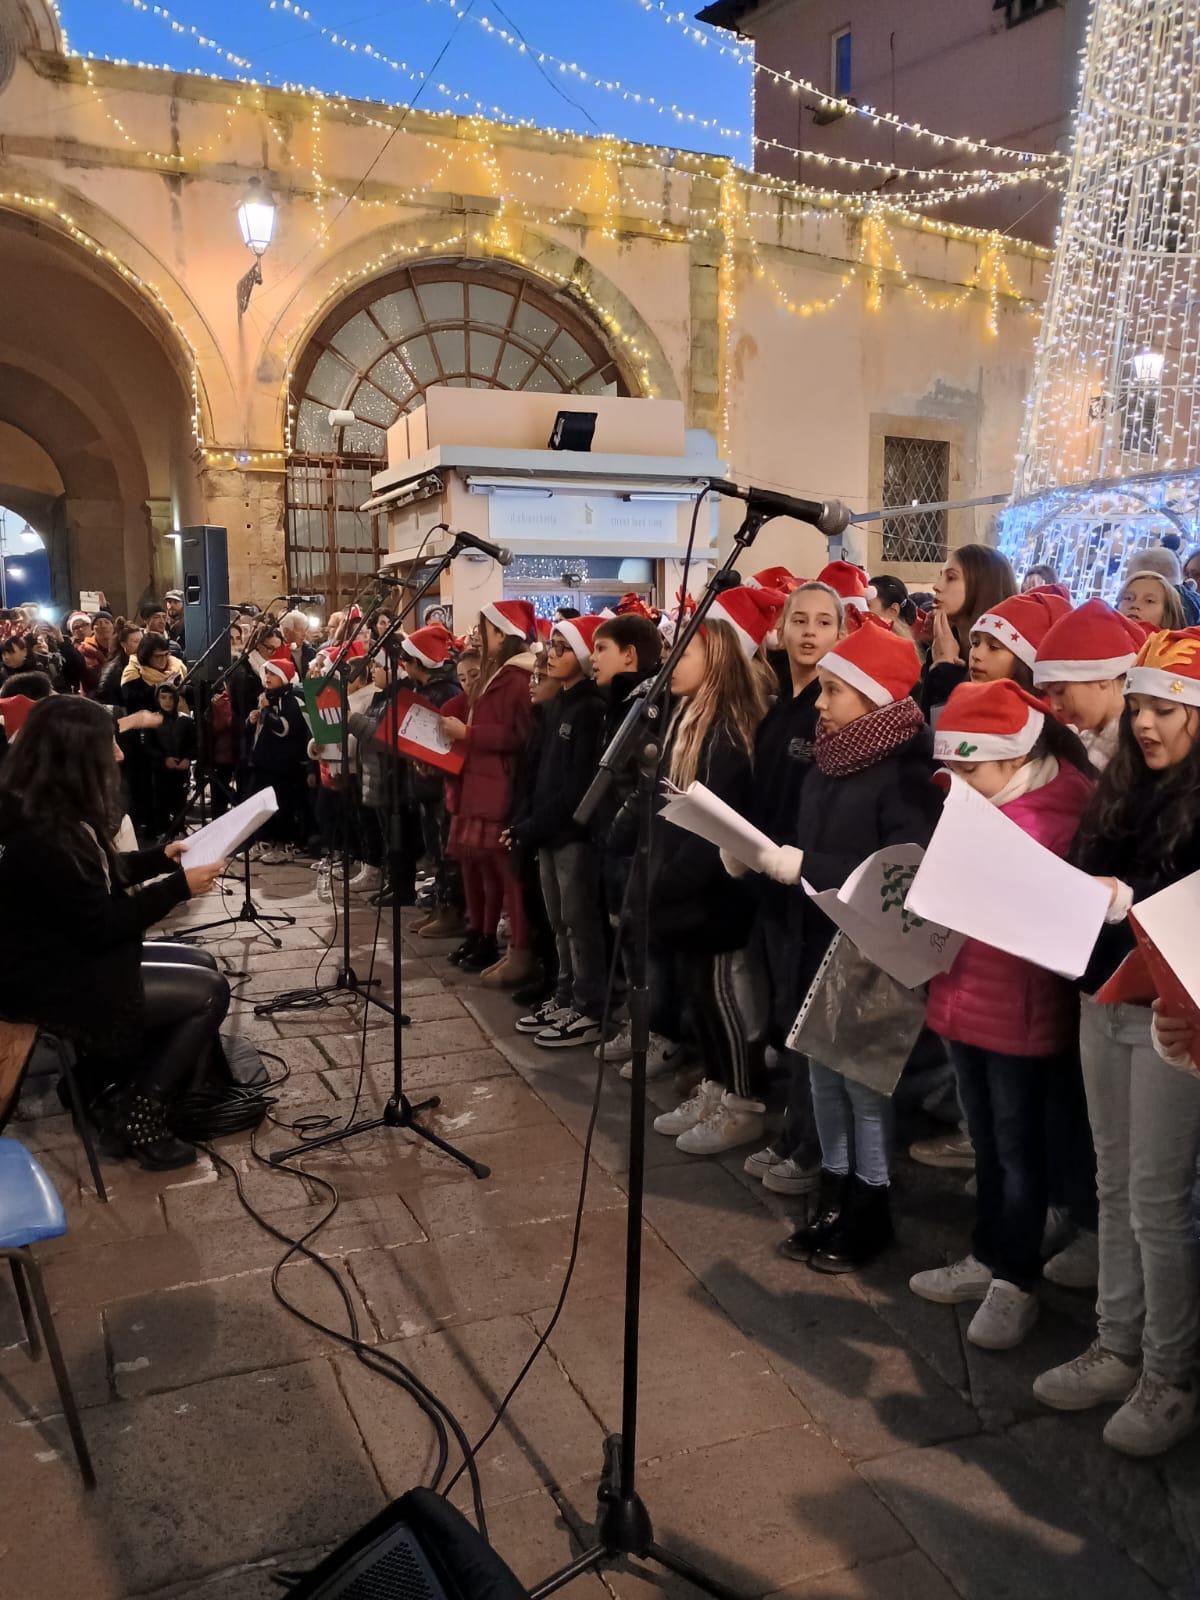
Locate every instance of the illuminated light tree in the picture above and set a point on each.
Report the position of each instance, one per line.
(1109, 459)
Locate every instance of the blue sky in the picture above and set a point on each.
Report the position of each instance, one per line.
(611, 39)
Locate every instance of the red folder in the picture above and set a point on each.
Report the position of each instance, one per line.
(1145, 976)
(391, 733)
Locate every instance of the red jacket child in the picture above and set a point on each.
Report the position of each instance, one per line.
(496, 733)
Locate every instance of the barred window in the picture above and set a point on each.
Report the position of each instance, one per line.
(915, 472)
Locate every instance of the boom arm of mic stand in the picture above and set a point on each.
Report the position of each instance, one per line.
(644, 718)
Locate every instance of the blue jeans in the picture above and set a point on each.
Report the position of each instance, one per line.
(854, 1124)
(1004, 1098)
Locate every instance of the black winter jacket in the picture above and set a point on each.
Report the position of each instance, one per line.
(694, 904)
(571, 742)
(844, 820)
(1135, 859)
(280, 736)
(77, 968)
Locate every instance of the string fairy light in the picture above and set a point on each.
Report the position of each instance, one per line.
(1111, 438)
(44, 206)
(187, 29)
(833, 102)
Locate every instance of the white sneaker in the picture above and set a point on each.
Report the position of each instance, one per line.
(1078, 1265)
(572, 1028)
(619, 1048)
(963, 1280)
(1096, 1378)
(276, 855)
(1156, 1416)
(760, 1163)
(733, 1121)
(702, 1101)
(1004, 1318)
(789, 1177)
(367, 880)
(658, 1053)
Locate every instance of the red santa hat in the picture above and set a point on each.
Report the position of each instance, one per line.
(1168, 667)
(880, 664)
(988, 722)
(281, 664)
(777, 578)
(544, 628)
(848, 581)
(579, 633)
(514, 617)
(1091, 643)
(751, 613)
(1023, 620)
(77, 616)
(431, 646)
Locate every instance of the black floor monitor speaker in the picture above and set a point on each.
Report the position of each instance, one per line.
(206, 614)
(419, 1548)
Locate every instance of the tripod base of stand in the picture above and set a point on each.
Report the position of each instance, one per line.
(398, 1113)
(623, 1531)
(251, 914)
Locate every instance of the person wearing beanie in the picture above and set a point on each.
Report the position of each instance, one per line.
(973, 581)
(278, 746)
(813, 622)
(777, 578)
(700, 918)
(1010, 1026)
(869, 787)
(1080, 667)
(492, 738)
(572, 741)
(1141, 834)
(96, 652)
(1004, 641)
(849, 582)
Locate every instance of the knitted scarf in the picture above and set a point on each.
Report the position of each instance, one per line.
(861, 743)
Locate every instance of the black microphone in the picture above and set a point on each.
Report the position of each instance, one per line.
(499, 553)
(829, 517)
(305, 599)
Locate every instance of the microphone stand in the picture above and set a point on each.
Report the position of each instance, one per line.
(623, 1525)
(399, 1112)
(249, 912)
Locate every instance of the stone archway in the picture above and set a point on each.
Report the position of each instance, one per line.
(87, 377)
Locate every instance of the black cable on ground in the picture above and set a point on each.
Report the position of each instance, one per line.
(438, 1413)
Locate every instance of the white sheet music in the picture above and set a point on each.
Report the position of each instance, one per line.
(219, 839)
(699, 811)
(984, 876)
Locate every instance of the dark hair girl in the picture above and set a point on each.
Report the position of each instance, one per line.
(144, 1031)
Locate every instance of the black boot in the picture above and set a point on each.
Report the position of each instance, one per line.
(466, 948)
(864, 1232)
(135, 1128)
(831, 1198)
(485, 954)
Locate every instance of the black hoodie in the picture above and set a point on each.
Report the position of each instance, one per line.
(569, 752)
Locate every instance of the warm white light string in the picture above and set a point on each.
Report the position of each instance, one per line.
(832, 102)
(1116, 394)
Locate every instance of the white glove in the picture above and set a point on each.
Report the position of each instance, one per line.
(734, 867)
(784, 863)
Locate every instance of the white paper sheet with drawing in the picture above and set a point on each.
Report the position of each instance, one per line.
(220, 838)
(985, 877)
(699, 811)
(870, 910)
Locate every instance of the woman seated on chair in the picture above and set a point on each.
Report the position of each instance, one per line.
(144, 1021)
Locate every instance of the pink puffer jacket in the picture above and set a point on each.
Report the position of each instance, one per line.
(999, 1002)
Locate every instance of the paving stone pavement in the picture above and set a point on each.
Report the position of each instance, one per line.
(824, 1439)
